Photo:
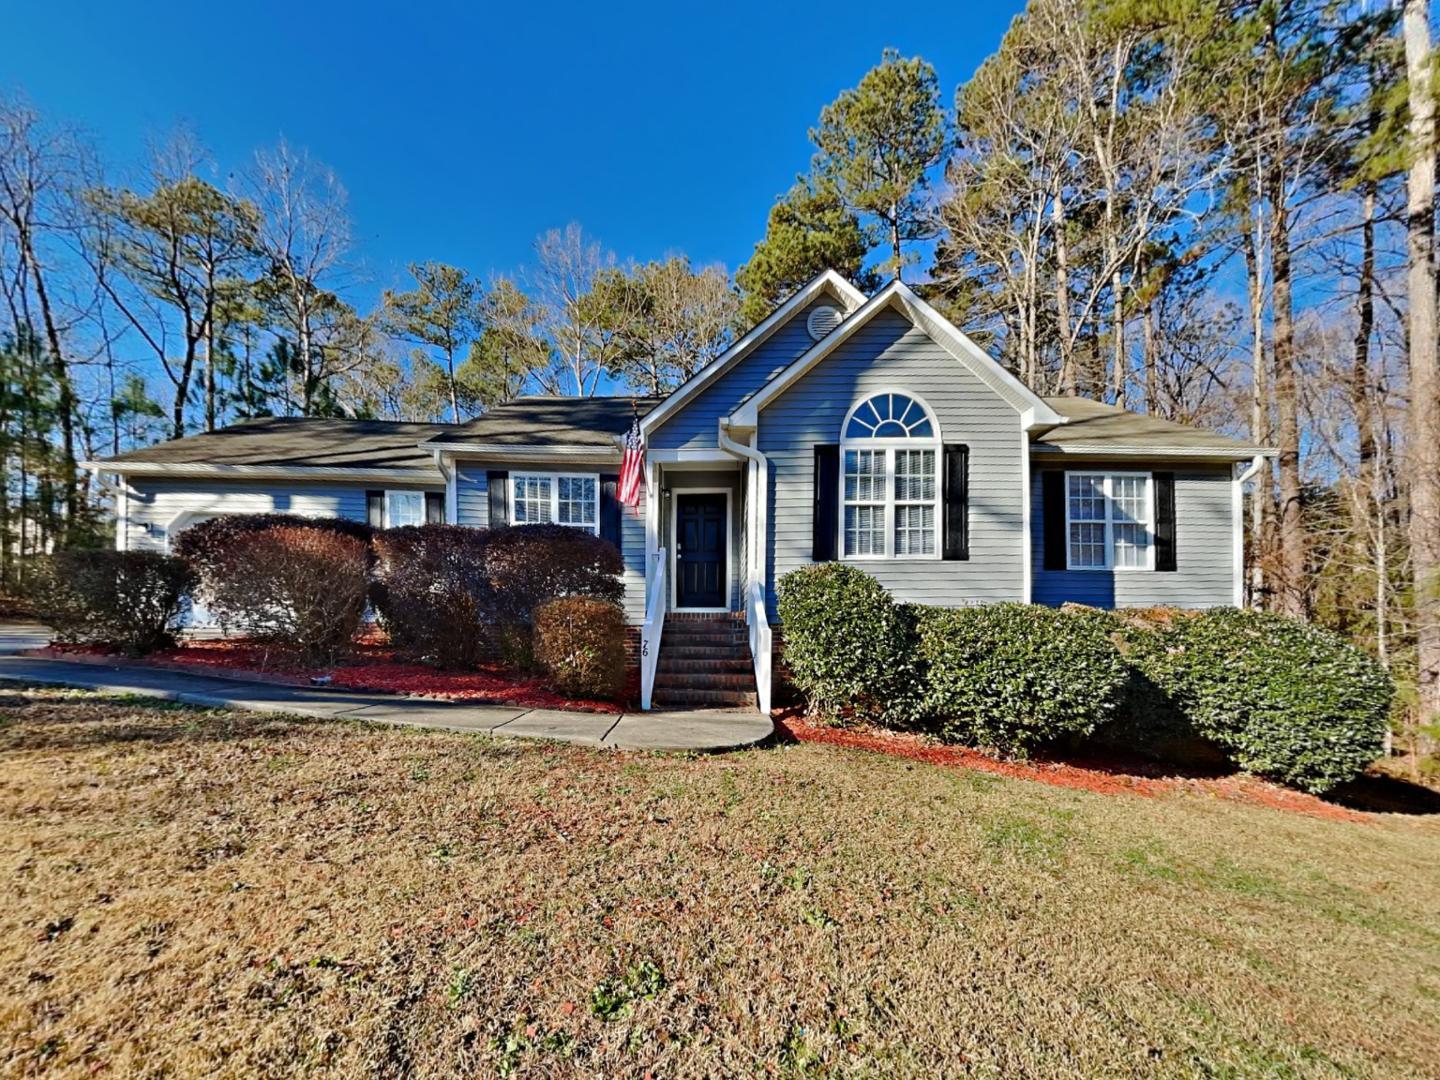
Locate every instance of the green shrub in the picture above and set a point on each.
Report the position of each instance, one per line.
(1285, 699)
(432, 592)
(128, 599)
(848, 646)
(1014, 676)
(580, 642)
(301, 587)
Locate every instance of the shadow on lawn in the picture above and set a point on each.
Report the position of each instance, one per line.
(35, 723)
(1380, 794)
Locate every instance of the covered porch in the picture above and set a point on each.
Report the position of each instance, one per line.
(701, 557)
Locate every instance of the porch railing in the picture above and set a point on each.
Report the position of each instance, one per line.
(760, 644)
(651, 629)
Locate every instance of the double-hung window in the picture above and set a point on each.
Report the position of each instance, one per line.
(890, 490)
(1109, 521)
(404, 508)
(562, 499)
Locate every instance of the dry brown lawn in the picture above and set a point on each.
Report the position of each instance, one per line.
(208, 893)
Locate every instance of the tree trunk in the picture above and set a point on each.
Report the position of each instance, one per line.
(1424, 433)
(64, 389)
(1062, 296)
(1292, 593)
(1365, 308)
(1260, 502)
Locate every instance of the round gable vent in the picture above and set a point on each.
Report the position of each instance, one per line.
(822, 320)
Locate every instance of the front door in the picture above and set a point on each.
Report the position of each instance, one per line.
(702, 575)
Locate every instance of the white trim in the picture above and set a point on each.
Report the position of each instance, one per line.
(421, 477)
(122, 515)
(1237, 525)
(554, 478)
(675, 494)
(701, 456)
(850, 298)
(1228, 453)
(1109, 566)
(1032, 408)
(451, 472)
(1027, 546)
(887, 446)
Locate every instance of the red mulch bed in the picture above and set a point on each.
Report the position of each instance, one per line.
(371, 667)
(1101, 774)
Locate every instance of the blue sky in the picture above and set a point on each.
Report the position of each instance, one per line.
(461, 132)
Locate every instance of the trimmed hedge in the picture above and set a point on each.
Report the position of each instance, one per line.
(301, 587)
(432, 592)
(1285, 699)
(849, 647)
(580, 642)
(128, 599)
(1014, 676)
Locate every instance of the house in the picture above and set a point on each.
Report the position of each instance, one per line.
(868, 430)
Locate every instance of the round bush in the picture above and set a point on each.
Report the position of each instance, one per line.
(1013, 676)
(1285, 699)
(848, 645)
(128, 599)
(580, 642)
(301, 586)
(432, 592)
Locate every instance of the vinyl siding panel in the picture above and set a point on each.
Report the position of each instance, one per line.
(472, 507)
(1204, 574)
(889, 354)
(154, 504)
(694, 426)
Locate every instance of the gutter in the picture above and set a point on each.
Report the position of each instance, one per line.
(758, 491)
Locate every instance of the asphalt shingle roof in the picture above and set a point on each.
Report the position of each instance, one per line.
(552, 421)
(1093, 425)
(298, 442)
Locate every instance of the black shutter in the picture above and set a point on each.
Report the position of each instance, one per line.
(375, 508)
(1164, 520)
(434, 508)
(499, 484)
(610, 509)
(825, 519)
(1052, 509)
(956, 494)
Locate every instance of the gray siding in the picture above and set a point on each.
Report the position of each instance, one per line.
(677, 483)
(694, 426)
(890, 354)
(154, 504)
(472, 505)
(1204, 551)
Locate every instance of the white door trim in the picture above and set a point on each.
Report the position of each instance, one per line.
(675, 494)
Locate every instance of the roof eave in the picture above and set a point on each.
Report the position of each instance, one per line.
(199, 469)
(1226, 453)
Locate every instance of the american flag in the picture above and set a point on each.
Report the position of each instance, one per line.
(632, 466)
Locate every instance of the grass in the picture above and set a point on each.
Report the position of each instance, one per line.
(228, 894)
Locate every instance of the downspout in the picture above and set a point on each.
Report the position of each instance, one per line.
(756, 603)
(758, 498)
(1237, 519)
(451, 477)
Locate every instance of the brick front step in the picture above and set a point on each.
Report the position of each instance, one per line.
(704, 682)
(715, 665)
(704, 697)
(671, 651)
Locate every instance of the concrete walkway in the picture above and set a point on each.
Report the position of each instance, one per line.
(698, 730)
